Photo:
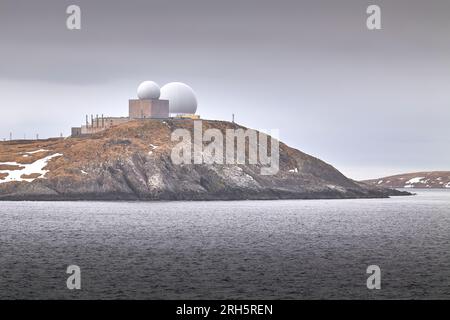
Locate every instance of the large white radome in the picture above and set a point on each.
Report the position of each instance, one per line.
(148, 90)
(181, 98)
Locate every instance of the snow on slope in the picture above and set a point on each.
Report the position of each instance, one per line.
(27, 169)
(431, 179)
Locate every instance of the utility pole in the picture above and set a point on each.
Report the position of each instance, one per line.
(232, 118)
(10, 136)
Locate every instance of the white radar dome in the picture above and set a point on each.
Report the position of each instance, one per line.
(181, 98)
(148, 90)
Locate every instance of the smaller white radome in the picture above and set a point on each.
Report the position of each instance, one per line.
(148, 90)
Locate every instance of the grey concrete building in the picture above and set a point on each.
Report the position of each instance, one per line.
(149, 108)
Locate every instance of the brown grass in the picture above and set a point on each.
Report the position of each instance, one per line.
(30, 176)
(10, 167)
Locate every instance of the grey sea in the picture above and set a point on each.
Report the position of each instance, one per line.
(294, 249)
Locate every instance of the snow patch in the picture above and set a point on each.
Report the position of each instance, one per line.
(295, 170)
(83, 172)
(380, 182)
(27, 169)
(153, 148)
(36, 151)
(414, 180)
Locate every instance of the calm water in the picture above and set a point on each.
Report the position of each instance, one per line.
(292, 249)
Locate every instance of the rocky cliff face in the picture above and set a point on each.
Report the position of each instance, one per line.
(132, 162)
(430, 179)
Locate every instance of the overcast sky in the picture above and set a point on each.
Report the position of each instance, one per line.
(371, 103)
